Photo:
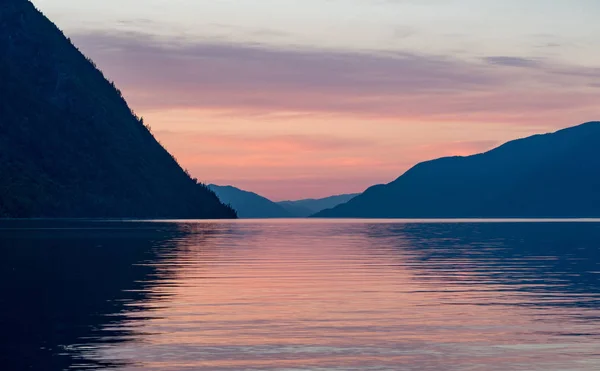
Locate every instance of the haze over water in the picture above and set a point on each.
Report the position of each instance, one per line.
(300, 295)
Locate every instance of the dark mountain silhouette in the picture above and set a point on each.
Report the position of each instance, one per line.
(311, 206)
(551, 175)
(249, 204)
(69, 144)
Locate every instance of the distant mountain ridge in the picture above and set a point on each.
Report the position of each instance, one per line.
(69, 144)
(311, 206)
(251, 205)
(549, 175)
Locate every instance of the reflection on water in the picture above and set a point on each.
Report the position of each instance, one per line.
(299, 295)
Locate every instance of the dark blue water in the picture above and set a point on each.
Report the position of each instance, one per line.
(299, 295)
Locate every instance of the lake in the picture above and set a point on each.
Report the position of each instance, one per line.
(293, 295)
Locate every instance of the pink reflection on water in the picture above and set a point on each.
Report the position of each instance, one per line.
(345, 296)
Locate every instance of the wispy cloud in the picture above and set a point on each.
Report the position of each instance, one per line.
(158, 73)
(512, 61)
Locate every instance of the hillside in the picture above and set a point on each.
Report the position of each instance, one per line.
(248, 204)
(69, 144)
(308, 207)
(551, 175)
(251, 205)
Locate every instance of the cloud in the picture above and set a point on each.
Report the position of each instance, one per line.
(160, 73)
(245, 66)
(139, 22)
(550, 45)
(170, 73)
(512, 61)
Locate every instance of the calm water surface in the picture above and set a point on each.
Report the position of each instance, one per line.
(299, 295)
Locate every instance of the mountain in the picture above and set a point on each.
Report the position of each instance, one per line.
(251, 205)
(248, 204)
(69, 144)
(296, 210)
(551, 175)
(308, 207)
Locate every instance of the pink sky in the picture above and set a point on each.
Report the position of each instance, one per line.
(290, 112)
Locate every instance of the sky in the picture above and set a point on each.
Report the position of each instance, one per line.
(309, 98)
